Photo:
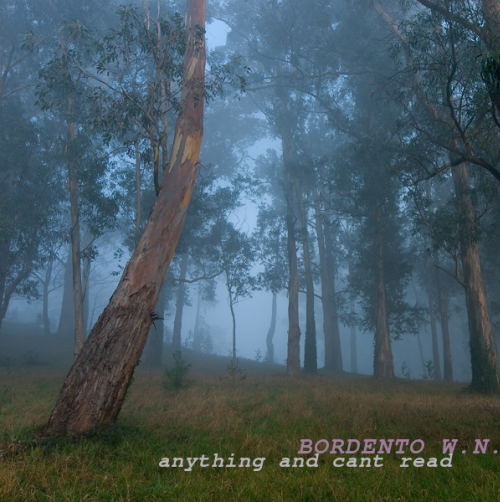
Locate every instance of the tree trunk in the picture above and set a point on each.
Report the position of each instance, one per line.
(86, 268)
(331, 351)
(448, 371)
(383, 366)
(155, 336)
(443, 311)
(354, 344)
(137, 229)
(293, 352)
(421, 352)
(272, 329)
(96, 385)
(67, 317)
(75, 238)
(231, 308)
(287, 146)
(45, 307)
(10, 290)
(330, 262)
(434, 337)
(310, 349)
(485, 376)
(179, 306)
(197, 323)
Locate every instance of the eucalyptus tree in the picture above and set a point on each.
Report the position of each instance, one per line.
(118, 338)
(358, 180)
(286, 54)
(236, 257)
(270, 235)
(62, 94)
(452, 113)
(30, 193)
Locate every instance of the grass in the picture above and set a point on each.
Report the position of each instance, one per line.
(265, 415)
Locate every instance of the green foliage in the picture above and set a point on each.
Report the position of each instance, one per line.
(235, 259)
(234, 373)
(177, 376)
(30, 193)
(429, 368)
(490, 70)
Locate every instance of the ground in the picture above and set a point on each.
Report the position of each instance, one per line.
(264, 415)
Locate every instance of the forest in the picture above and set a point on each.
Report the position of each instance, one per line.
(296, 202)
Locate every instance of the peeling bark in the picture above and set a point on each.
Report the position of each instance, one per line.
(95, 387)
(155, 336)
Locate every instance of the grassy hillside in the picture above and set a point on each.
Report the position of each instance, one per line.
(263, 416)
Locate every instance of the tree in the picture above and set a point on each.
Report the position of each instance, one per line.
(270, 236)
(236, 257)
(29, 197)
(442, 93)
(94, 389)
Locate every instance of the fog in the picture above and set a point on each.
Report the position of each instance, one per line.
(349, 165)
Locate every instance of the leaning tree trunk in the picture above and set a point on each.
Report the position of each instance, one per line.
(155, 335)
(96, 384)
(179, 307)
(383, 365)
(485, 376)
